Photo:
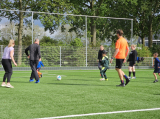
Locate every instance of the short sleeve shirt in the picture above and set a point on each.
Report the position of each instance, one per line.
(122, 45)
(6, 54)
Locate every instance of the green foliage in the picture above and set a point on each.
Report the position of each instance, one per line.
(4, 41)
(155, 48)
(76, 42)
(143, 51)
(47, 41)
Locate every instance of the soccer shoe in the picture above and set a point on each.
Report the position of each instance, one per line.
(31, 80)
(3, 84)
(121, 85)
(129, 77)
(133, 77)
(127, 81)
(41, 75)
(102, 79)
(155, 81)
(37, 81)
(9, 86)
(106, 79)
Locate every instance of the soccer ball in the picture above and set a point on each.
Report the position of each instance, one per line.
(59, 77)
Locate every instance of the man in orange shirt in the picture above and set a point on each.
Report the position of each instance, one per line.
(120, 54)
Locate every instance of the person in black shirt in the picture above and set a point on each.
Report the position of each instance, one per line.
(34, 57)
(132, 61)
(100, 57)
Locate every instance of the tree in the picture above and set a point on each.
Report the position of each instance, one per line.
(17, 16)
(76, 42)
(146, 15)
(65, 36)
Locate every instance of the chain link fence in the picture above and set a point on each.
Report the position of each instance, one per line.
(66, 57)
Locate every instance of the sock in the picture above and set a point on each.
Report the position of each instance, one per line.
(122, 81)
(125, 76)
(134, 74)
(129, 74)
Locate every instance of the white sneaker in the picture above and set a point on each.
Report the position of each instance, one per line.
(9, 86)
(102, 79)
(129, 77)
(133, 77)
(3, 85)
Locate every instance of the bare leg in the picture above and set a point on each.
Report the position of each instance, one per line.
(120, 73)
(155, 75)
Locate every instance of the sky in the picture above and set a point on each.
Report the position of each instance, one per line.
(4, 21)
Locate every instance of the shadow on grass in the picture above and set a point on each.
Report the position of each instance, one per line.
(20, 81)
(156, 94)
(77, 84)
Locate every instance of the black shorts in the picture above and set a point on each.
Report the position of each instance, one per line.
(131, 64)
(156, 71)
(119, 63)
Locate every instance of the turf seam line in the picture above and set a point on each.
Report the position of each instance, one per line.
(100, 113)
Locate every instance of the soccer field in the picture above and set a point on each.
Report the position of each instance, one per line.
(80, 92)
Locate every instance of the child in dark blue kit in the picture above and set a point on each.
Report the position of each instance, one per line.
(156, 66)
(38, 68)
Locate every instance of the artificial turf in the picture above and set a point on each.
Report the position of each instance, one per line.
(79, 92)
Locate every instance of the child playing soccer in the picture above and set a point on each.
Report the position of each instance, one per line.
(156, 67)
(38, 68)
(104, 64)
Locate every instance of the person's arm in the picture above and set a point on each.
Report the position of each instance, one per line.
(11, 55)
(39, 53)
(158, 60)
(42, 64)
(98, 56)
(26, 51)
(127, 51)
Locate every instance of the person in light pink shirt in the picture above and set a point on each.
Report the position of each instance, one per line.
(6, 62)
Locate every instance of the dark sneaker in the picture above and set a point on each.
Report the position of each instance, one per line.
(121, 85)
(41, 75)
(127, 81)
(155, 81)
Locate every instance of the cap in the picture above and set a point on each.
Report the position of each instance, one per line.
(104, 52)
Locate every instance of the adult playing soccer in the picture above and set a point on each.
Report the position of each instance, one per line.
(121, 52)
(34, 57)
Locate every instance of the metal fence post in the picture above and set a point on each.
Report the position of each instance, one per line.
(32, 27)
(109, 55)
(86, 38)
(1, 51)
(131, 31)
(60, 56)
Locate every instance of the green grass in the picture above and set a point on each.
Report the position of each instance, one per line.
(79, 92)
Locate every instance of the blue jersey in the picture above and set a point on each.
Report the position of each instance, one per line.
(39, 64)
(156, 63)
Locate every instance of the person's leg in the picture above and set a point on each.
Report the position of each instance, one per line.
(155, 75)
(6, 72)
(156, 80)
(99, 66)
(120, 73)
(9, 67)
(34, 73)
(130, 70)
(105, 76)
(134, 72)
(102, 74)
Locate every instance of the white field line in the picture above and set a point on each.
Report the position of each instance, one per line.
(101, 113)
